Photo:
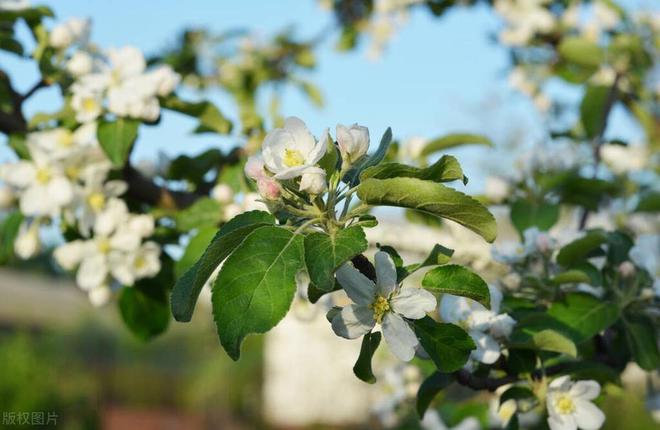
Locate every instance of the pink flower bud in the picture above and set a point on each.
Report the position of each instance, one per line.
(269, 188)
(627, 269)
(254, 168)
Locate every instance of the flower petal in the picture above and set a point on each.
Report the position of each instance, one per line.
(562, 422)
(92, 272)
(413, 303)
(353, 321)
(304, 141)
(562, 383)
(488, 350)
(587, 415)
(385, 273)
(586, 390)
(319, 150)
(359, 288)
(399, 336)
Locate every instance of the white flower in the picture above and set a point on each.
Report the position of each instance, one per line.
(412, 147)
(27, 243)
(80, 63)
(524, 19)
(6, 197)
(126, 62)
(164, 79)
(623, 159)
(534, 241)
(646, 254)
(570, 407)
(100, 295)
(484, 326)
(353, 142)
(313, 180)
(254, 168)
(383, 302)
(433, 421)
(142, 263)
(72, 31)
(222, 193)
(497, 189)
(290, 150)
(93, 197)
(87, 102)
(44, 188)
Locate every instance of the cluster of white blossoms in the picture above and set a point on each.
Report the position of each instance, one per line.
(116, 80)
(534, 242)
(385, 303)
(591, 20)
(292, 152)
(524, 19)
(570, 405)
(65, 181)
(487, 327)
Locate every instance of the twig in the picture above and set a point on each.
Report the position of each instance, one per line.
(36, 87)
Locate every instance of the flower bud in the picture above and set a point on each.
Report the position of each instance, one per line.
(313, 180)
(627, 269)
(254, 168)
(269, 188)
(353, 142)
(75, 30)
(80, 64)
(27, 243)
(497, 189)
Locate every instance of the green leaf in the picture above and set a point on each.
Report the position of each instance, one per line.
(439, 255)
(196, 247)
(352, 177)
(572, 276)
(592, 109)
(526, 214)
(580, 249)
(446, 169)
(187, 288)
(649, 202)
(329, 161)
(540, 331)
(8, 231)
(144, 309)
(11, 45)
(643, 342)
(431, 386)
(362, 368)
(453, 140)
(581, 51)
(432, 198)
(117, 138)
(17, 142)
(448, 345)
(205, 212)
(459, 281)
(324, 253)
(521, 361)
(256, 285)
(209, 116)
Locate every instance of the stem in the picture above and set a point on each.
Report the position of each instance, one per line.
(597, 141)
(36, 87)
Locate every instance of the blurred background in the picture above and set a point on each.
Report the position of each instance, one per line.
(434, 77)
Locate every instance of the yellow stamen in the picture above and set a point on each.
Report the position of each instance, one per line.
(104, 246)
(96, 201)
(43, 176)
(564, 404)
(293, 158)
(65, 139)
(89, 104)
(381, 306)
(72, 172)
(140, 262)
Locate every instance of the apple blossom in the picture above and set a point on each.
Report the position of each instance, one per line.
(269, 188)
(72, 31)
(313, 180)
(570, 407)
(222, 193)
(14, 5)
(486, 327)
(27, 243)
(383, 302)
(80, 63)
(353, 142)
(290, 150)
(254, 168)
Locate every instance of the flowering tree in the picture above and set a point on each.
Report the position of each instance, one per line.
(284, 214)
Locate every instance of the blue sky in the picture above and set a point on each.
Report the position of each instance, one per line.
(436, 77)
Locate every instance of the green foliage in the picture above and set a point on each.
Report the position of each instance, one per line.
(459, 281)
(581, 248)
(352, 177)
(446, 169)
(540, 332)
(188, 287)
(448, 345)
(256, 285)
(117, 138)
(195, 249)
(584, 314)
(573, 276)
(205, 212)
(324, 253)
(209, 116)
(643, 343)
(454, 140)
(144, 310)
(8, 231)
(581, 51)
(438, 256)
(525, 214)
(592, 109)
(362, 368)
(432, 198)
(431, 386)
